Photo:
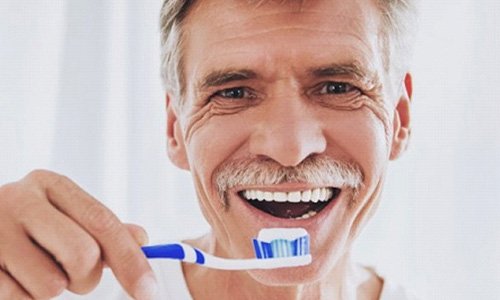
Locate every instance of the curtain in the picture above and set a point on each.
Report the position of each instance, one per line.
(80, 94)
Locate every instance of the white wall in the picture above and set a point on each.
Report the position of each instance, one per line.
(80, 94)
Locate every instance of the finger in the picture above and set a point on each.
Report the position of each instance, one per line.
(29, 265)
(140, 236)
(119, 250)
(10, 289)
(138, 233)
(71, 246)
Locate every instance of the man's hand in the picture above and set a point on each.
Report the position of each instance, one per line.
(54, 236)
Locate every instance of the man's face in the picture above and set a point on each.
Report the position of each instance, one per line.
(286, 87)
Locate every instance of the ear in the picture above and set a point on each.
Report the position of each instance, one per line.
(402, 129)
(176, 149)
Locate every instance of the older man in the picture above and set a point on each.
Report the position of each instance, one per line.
(298, 104)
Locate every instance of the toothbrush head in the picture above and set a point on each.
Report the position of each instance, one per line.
(275, 243)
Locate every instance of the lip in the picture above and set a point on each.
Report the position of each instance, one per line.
(264, 220)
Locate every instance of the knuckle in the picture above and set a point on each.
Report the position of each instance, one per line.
(41, 177)
(56, 285)
(9, 191)
(82, 260)
(13, 200)
(83, 266)
(87, 284)
(89, 258)
(40, 174)
(53, 287)
(101, 220)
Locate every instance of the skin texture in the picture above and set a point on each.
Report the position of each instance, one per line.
(55, 236)
(281, 72)
(270, 81)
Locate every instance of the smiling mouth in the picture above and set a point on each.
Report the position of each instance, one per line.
(291, 205)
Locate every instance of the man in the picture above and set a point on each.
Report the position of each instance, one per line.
(300, 104)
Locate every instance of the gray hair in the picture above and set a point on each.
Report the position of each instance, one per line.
(398, 30)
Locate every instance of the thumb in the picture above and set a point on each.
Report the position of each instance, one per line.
(138, 233)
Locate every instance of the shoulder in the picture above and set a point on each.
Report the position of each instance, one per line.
(391, 290)
(385, 287)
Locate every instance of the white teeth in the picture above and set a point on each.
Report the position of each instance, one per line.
(306, 196)
(311, 195)
(280, 197)
(268, 196)
(315, 195)
(307, 215)
(322, 194)
(294, 197)
(329, 193)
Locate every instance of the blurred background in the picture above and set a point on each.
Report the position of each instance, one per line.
(80, 94)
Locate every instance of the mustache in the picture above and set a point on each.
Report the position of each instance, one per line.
(315, 170)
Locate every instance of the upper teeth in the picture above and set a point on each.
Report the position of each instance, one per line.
(312, 195)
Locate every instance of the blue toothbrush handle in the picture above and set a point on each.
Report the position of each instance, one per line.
(187, 253)
(175, 251)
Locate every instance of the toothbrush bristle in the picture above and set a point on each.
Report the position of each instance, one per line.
(282, 247)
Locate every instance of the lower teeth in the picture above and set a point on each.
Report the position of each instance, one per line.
(307, 215)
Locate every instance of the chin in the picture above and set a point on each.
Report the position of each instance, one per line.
(317, 270)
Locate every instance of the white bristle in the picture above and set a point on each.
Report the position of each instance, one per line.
(281, 243)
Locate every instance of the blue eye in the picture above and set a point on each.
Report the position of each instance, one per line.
(336, 88)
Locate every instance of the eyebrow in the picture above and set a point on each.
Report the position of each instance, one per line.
(225, 76)
(221, 77)
(354, 69)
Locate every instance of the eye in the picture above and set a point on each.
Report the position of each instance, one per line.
(234, 93)
(333, 87)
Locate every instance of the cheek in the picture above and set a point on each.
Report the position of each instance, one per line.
(360, 136)
(218, 139)
(212, 141)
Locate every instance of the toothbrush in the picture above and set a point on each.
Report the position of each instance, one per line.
(274, 248)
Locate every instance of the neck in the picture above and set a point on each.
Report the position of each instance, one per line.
(345, 281)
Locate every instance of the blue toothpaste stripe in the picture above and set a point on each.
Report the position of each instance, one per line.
(281, 247)
(257, 248)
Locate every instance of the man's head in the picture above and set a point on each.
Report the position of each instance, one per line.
(286, 113)
(396, 33)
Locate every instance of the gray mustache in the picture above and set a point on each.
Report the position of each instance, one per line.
(315, 170)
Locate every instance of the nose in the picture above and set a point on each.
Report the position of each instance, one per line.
(287, 132)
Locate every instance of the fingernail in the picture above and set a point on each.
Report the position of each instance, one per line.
(146, 288)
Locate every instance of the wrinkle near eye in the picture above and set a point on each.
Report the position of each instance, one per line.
(200, 117)
(374, 104)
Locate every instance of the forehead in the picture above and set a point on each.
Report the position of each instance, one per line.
(279, 36)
